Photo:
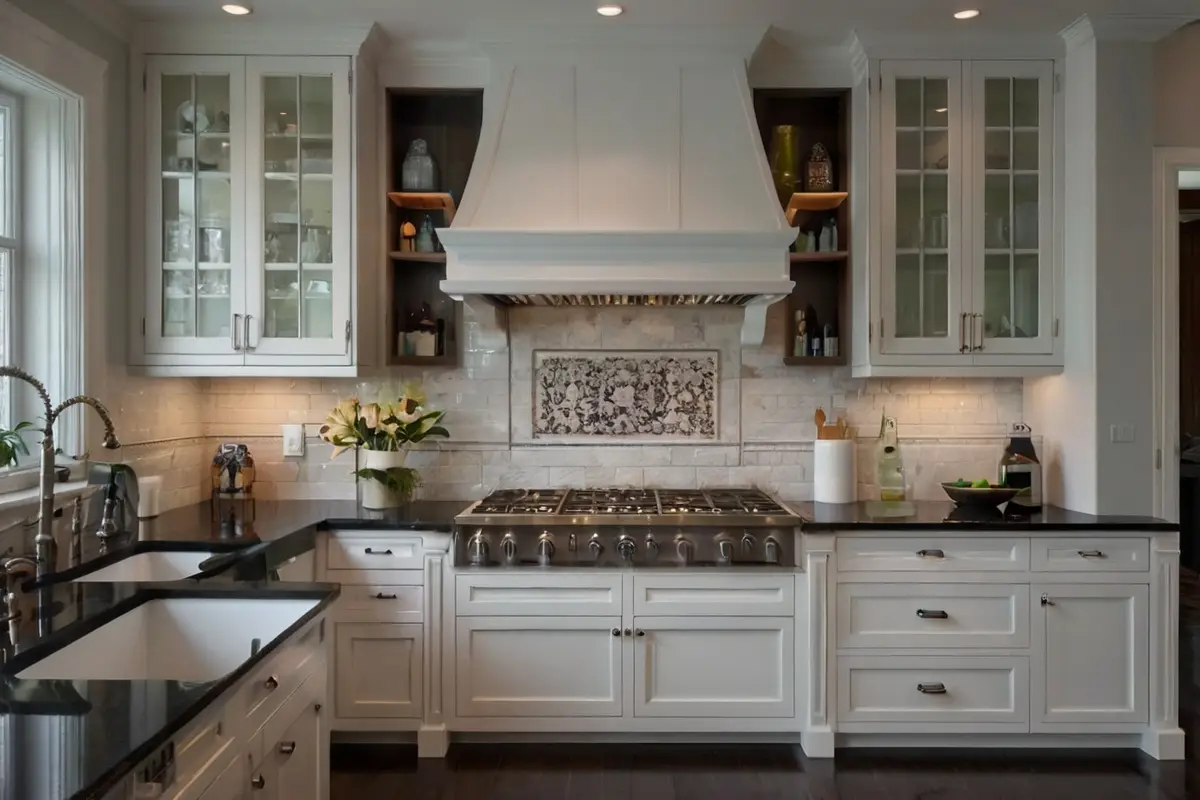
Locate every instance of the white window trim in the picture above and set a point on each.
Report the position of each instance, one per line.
(77, 79)
(11, 190)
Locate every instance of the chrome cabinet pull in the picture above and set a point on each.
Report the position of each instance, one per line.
(616, 631)
(233, 332)
(258, 781)
(931, 553)
(639, 632)
(272, 683)
(372, 552)
(246, 338)
(1046, 601)
(1091, 554)
(629, 631)
(287, 748)
(980, 345)
(932, 614)
(962, 332)
(931, 688)
(382, 596)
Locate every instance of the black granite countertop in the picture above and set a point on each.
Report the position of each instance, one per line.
(936, 515)
(99, 731)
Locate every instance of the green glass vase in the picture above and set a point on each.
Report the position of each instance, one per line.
(784, 159)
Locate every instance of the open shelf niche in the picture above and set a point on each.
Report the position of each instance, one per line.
(822, 278)
(449, 121)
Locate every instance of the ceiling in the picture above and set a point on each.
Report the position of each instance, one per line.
(794, 20)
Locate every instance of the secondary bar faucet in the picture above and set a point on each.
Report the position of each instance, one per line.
(44, 540)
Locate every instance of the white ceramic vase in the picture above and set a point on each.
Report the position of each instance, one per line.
(376, 495)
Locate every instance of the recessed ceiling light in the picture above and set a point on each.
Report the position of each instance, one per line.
(940, 110)
(610, 10)
(967, 13)
(237, 9)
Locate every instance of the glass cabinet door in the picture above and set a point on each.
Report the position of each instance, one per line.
(197, 237)
(299, 298)
(921, 204)
(1011, 243)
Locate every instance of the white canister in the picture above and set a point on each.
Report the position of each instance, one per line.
(375, 495)
(835, 477)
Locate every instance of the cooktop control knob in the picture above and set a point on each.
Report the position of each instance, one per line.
(684, 549)
(724, 551)
(651, 547)
(596, 546)
(477, 548)
(509, 547)
(772, 550)
(626, 547)
(545, 549)
(748, 542)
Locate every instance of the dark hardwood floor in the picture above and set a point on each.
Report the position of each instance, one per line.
(748, 772)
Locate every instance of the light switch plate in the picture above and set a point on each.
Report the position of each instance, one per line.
(1120, 434)
(293, 440)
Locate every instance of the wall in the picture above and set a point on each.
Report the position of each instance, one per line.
(950, 428)
(1176, 87)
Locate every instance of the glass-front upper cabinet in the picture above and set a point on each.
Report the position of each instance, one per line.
(196, 237)
(298, 303)
(921, 201)
(1012, 230)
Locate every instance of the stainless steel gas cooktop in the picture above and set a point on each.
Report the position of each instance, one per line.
(626, 527)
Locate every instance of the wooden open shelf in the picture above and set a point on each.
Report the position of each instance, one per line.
(816, 258)
(412, 255)
(425, 201)
(815, 201)
(815, 361)
(448, 360)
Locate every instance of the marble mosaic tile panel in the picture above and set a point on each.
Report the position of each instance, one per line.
(657, 395)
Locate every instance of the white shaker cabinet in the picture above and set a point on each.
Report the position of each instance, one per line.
(964, 275)
(1091, 650)
(379, 670)
(248, 253)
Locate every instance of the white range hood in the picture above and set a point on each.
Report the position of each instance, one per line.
(621, 168)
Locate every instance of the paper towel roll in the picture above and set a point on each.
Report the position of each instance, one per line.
(835, 477)
(149, 496)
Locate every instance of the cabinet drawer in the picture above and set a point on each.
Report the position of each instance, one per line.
(932, 615)
(730, 595)
(275, 680)
(304, 700)
(932, 554)
(1091, 555)
(539, 594)
(398, 603)
(933, 689)
(373, 551)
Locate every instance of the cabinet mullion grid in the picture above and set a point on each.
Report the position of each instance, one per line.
(195, 234)
(301, 231)
(921, 221)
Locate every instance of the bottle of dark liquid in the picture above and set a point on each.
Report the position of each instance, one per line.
(814, 332)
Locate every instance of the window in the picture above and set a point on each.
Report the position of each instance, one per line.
(9, 192)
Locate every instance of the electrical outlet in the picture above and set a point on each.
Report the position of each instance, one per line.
(293, 440)
(1121, 434)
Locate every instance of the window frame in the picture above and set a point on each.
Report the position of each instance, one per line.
(11, 191)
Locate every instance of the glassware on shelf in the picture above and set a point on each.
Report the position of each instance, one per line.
(783, 157)
(424, 241)
(418, 173)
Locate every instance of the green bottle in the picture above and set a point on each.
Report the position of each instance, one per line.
(889, 464)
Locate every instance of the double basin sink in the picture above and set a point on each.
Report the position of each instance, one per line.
(179, 638)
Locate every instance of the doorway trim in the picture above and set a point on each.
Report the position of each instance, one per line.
(1168, 161)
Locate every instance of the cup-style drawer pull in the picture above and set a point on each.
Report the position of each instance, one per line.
(272, 683)
(931, 553)
(1091, 554)
(371, 552)
(924, 613)
(287, 748)
(931, 688)
(258, 782)
(382, 596)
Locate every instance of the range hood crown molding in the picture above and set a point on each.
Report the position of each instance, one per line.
(604, 41)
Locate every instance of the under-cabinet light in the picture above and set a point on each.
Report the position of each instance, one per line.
(967, 13)
(610, 10)
(237, 9)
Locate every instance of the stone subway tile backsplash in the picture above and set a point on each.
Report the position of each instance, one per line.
(948, 427)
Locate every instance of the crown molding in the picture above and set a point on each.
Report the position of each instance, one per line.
(252, 37)
(375, 45)
(954, 45)
(689, 43)
(859, 63)
(108, 14)
(1123, 28)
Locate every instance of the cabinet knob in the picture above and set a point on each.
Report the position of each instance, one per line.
(616, 631)
(639, 632)
(1046, 601)
(272, 683)
(287, 748)
(258, 781)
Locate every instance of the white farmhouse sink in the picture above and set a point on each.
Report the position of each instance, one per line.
(175, 638)
(153, 566)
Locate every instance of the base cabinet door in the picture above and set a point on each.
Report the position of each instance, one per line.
(713, 667)
(538, 667)
(1093, 662)
(377, 670)
(297, 758)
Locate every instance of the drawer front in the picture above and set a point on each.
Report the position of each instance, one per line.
(1091, 555)
(932, 554)
(932, 689)
(932, 615)
(538, 594)
(714, 595)
(383, 601)
(374, 551)
(275, 680)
